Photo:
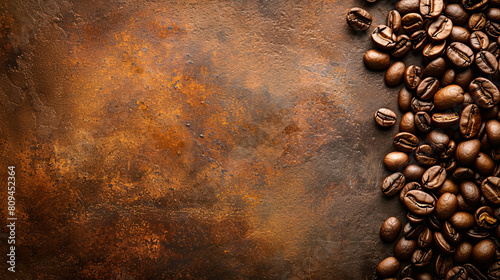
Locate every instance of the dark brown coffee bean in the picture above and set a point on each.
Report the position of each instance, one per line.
(431, 8)
(448, 97)
(418, 105)
(447, 187)
(460, 54)
(406, 142)
(422, 276)
(424, 154)
(442, 244)
(459, 34)
(449, 150)
(478, 41)
(490, 188)
(377, 60)
(434, 49)
(419, 39)
(493, 14)
(402, 47)
(404, 99)
(438, 140)
(411, 231)
(404, 248)
(385, 117)
(407, 271)
(394, 74)
(442, 265)
(485, 217)
(433, 177)
(494, 271)
(394, 20)
(412, 76)
(384, 37)
(440, 28)
(408, 6)
(457, 273)
(493, 132)
(473, 272)
(412, 22)
(470, 193)
(464, 77)
(473, 5)
(457, 14)
(470, 121)
(486, 62)
(448, 78)
(467, 151)
(462, 174)
(390, 229)
(427, 88)
(462, 220)
(494, 49)
(407, 123)
(483, 252)
(393, 184)
(445, 120)
(446, 206)
(484, 92)
(451, 234)
(423, 121)
(419, 202)
(435, 68)
(359, 19)
(463, 253)
(413, 172)
(421, 257)
(484, 164)
(414, 218)
(476, 233)
(425, 238)
(433, 221)
(388, 267)
(492, 28)
(477, 21)
(396, 161)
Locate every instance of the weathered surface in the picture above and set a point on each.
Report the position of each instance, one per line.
(192, 140)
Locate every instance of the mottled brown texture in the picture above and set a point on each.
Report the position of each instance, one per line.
(192, 140)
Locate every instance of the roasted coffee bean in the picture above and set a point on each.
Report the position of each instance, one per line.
(393, 184)
(435, 68)
(404, 99)
(394, 20)
(431, 8)
(490, 187)
(494, 49)
(402, 47)
(456, 273)
(470, 193)
(457, 14)
(484, 164)
(447, 187)
(359, 19)
(479, 41)
(419, 39)
(483, 252)
(477, 21)
(460, 55)
(486, 62)
(413, 172)
(384, 37)
(396, 161)
(462, 205)
(424, 154)
(433, 177)
(467, 151)
(423, 121)
(394, 74)
(462, 174)
(464, 77)
(388, 267)
(459, 34)
(463, 252)
(433, 221)
(447, 78)
(446, 206)
(492, 28)
(427, 88)
(442, 265)
(390, 229)
(493, 132)
(470, 121)
(407, 123)
(494, 271)
(438, 140)
(405, 142)
(445, 120)
(450, 233)
(448, 97)
(408, 6)
(425, 238)
(414, 218)
(473, 5)
(421, 257)
(422, 276)
(449, 164)
(418, 105)
(412, 22)
(434, 50)
(474, 273)
(411, 231)
(449, 150)
(462, 220)
(407, 271)
(484, 92)
(419, 202)
(404, 248)
(377, 60)
(440, 28)
(412, 76)
(495, 155)
(493, 14)
(485, 217)
(385, 117)
(442, 244)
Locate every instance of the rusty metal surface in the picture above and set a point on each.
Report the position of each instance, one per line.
(192, 140)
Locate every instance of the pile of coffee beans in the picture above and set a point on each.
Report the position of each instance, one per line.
(446, 163)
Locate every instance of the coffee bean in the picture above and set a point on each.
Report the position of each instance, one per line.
(376, 60)
(447, 187)
(413, 172)
(404, 248)
(485, 217)
(359, 19)
(470, 193)
(462, 220)
(484, 164)
(438, 140)
(419, 202)
(434, 49)
(385, 117)
(494, 271)
(424, 154)
(394, 75)
(470, 120)
(431, 8)
(435, 68)
(396, 161)
(478, 41)
(404, 99)
(388, 267)
(464, 77)
(442, 265)
(445, 120)
(425, 238)
(467, 151)
(414, 218)
(492, 29)
(419, 39)
(384, 37)
(490, 188)
(412, 22)
(473, 5)
(483, 252)
(390, 229)
(448, 97)
(418, 105)
(393, 184)
(412, 76)
(423, 121)
(447, 78)
(477, 21)
(461, 174)
(493, 14)
(457, 14)
(457, 273)
(476, 234)
(493, 132)
(407, 123)
(427, 88)
(459, 34)
(408, 6)
(473, 272)
(440, 28)
(460, 54)
(442, 244)
(486, 62)
(484, 92)
(402, 47)
(493, 48)
(446, 206)
(411, 231)
(451, 234)
(394, 20)
(463, 252)
(405, 142)
(421, 257)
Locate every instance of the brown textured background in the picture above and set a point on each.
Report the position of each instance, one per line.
(192, 140)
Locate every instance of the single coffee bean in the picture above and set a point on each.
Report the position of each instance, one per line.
(470, 193)
(473, 272)
(394, 20)
(396, 161)
(377, 60)
(393, 184)
(493, 132)
(492, 28)
(493, 14)
(420, 202)
(413, 172)
(445, 120)
(495, 155)
(448, 97)
(425, 238)
(394, 74)
(412, 22)
(463, 252)
(470, 121)
(447, 78)
(419, 39)
(414, 218)
(427, 88)
(462, 220)
(402, 47)
(457, 273)
(359, 19)
(423, 121)
(485, 217)
(486, 62)
(447, 187)
(460, 55)
(407, 123)
(390, 229)
(473, 5)
(407, 271)
(431, 8)
(422, 276)
(434, 50)
(457, 14)
(404, 248)
(449, 150)
(411, 231)
(421, 257)
(479, 41)
(418, 105)
(483, 252)
(446, 206)
(484, 92)
(385, 117)
(442, 265)
(476, 234)
(408, 6)
(464, 77)
(477, 21)
(467, 151)
(440, 28)
(490, 187)
(451, 234)
(388, 267)
(424, 154)
(494, 271)
(461, 174)
(442, 244)
(459, 34)
(484, 164)
(494, 49)
(404, 99)
(438, 140)
(406, 142)
(433, 177)
(384, 37)
(435, 68)
(412, 76)
(433, 221)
